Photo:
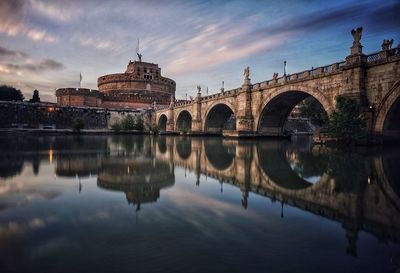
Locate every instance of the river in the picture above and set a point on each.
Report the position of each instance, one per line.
(180, 204)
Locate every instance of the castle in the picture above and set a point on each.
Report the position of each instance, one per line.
(139, 87)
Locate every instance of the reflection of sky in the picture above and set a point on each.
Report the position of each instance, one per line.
(297, 168)
(189, 229)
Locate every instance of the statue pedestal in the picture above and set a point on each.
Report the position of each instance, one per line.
(356, 49)
(356, 59)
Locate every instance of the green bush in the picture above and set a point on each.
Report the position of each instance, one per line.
(346, 122)
(116, 126)
(129, 123)
(139, 124)
(78, 125)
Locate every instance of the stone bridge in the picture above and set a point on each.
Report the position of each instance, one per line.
(262, 108)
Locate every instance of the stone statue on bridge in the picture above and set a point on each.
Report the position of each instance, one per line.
(246, 73)
(275, 76)
(387, 44)
(357, 32)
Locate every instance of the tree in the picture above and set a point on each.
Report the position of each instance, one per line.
(9, 93)
(312, 109)
(345, 122)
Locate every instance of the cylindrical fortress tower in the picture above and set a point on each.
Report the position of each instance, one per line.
(138, 88)
(142, 82)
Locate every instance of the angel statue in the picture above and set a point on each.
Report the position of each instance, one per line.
(357, 35)
(246, 73)
(139, 56)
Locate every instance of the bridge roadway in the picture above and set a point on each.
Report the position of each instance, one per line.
(262, 108)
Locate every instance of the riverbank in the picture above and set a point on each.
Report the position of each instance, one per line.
(57, 132)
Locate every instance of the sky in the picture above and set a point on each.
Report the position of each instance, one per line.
(46, 44)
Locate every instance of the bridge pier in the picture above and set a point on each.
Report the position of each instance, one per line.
(171, 119)
(244, 118)
(197, 120)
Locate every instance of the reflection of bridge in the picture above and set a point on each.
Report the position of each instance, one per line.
(368, 200)
(262, 108)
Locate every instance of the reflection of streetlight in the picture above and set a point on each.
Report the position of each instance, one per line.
(51, 154)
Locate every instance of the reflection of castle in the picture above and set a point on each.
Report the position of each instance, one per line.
(139, 87)
(140, 179)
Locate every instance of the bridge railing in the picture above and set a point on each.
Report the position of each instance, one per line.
(383, 55)
(323, 70)
(375, 57)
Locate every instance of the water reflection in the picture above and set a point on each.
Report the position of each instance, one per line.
(357, 189)
(141, 179)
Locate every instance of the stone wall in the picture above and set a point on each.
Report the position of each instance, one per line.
(78, 97)
(49, 115)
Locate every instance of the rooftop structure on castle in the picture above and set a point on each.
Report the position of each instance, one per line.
(140, 86)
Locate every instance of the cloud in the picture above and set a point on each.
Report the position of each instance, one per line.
(369, 13)
(7, 53)
(101, 44)
(218, 44)
(55, 10)
(46, 64)
(40, 35)
(12, 14)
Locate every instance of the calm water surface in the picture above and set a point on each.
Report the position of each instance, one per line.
(174, 204)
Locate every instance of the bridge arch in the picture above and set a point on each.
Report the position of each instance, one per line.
(220, 116)
(274, 111)
(184, 147)
(184, 121)
(162, 122)
(219, 156)
(387, 122)
(275, 167)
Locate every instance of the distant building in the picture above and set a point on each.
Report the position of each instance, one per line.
(35, 97)
(139, 87)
